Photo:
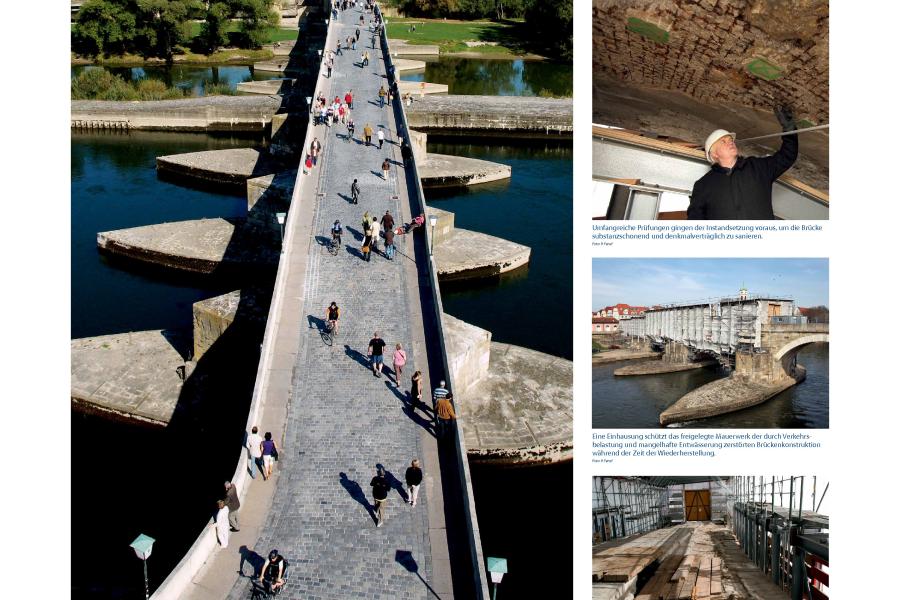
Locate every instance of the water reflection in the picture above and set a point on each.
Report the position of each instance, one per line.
(638, 401)
(189, 77)
(472, 76)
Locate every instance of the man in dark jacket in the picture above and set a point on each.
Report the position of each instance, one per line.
(739, 187)
(380, 489)
(233, 503)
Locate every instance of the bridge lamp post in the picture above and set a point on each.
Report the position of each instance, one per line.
(497, 567)
(280, 216)
(143, 546)
(309, 103)
(432, 219)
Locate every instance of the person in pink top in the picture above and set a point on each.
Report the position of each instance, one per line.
(399, 360)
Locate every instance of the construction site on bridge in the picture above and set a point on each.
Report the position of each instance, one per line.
(753, 339)
(710, 538)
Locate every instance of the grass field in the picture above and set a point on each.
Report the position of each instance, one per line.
(452, 35)
(276, 34)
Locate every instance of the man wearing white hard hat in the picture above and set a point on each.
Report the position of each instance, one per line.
(740, 187)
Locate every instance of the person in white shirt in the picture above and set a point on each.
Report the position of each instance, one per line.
(221, 523)
(254, 451)
(380, 138)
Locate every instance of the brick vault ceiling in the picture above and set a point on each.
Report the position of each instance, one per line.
(753, 53)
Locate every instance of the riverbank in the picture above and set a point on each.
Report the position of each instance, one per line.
(236, 56)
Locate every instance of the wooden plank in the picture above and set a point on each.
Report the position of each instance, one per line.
(684, 568)
(701, 587)
(715, 584)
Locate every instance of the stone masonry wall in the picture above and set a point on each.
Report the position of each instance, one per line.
(704, 47)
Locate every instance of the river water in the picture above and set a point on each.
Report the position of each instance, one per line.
(531, 306)
(624, 402)
(128, 480)
(190, 77)
(497, 77)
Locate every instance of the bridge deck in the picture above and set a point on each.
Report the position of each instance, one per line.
(341, 421)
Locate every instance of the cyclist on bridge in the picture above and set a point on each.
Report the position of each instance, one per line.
(336, 231)
(333, 316)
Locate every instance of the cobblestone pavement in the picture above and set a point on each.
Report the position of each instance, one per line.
(342, 420)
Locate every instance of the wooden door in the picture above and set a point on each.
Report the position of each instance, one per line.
(697, 505)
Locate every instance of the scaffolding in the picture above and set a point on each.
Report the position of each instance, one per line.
(719, 327)
(783, 540)
(626, 506)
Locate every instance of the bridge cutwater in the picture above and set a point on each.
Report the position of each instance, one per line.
(332, 419)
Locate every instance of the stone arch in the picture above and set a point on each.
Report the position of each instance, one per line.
(794, 344)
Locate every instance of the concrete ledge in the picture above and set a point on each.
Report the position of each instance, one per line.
(468, 352)
(492, 115)
(468, 254)
(199, 246)
(619, 355)
(448, 114)
(662, 366)
(129, 376)
(231, 167)
(422, 87)
(403, 65)
(521, 412)
(270, 86)
(210, 113)
(724, 396)
(442, 170)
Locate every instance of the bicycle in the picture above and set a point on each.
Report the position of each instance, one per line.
(328, 333)
(334, 246)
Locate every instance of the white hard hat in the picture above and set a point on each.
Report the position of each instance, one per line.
(714, 137)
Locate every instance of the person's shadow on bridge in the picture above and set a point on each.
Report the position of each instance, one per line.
(358, 356)
(410, 405)
(378, 174)
(346, 198)
(323, 240)
(357, 494)
(395, 483)
(315, 322)
(253, 559)
(356, 233)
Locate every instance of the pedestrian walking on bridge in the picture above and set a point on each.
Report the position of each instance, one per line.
(380, 137)
(413, 481)
(354, 191)
(380, 489)
(367, 133)
(385, 169)
(382, 93)
(443, 409)
(376, 351)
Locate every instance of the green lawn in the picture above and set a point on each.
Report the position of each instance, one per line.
(276, 34)
(451, 35)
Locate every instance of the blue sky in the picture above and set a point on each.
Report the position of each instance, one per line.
(649, 281)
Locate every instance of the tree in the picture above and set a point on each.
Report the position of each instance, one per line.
(212, 32)
(257, 18)
(551, 20)
(163, 25)
(103, 26)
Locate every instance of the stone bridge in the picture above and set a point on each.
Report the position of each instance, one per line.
(334, 420)
(776, 359)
